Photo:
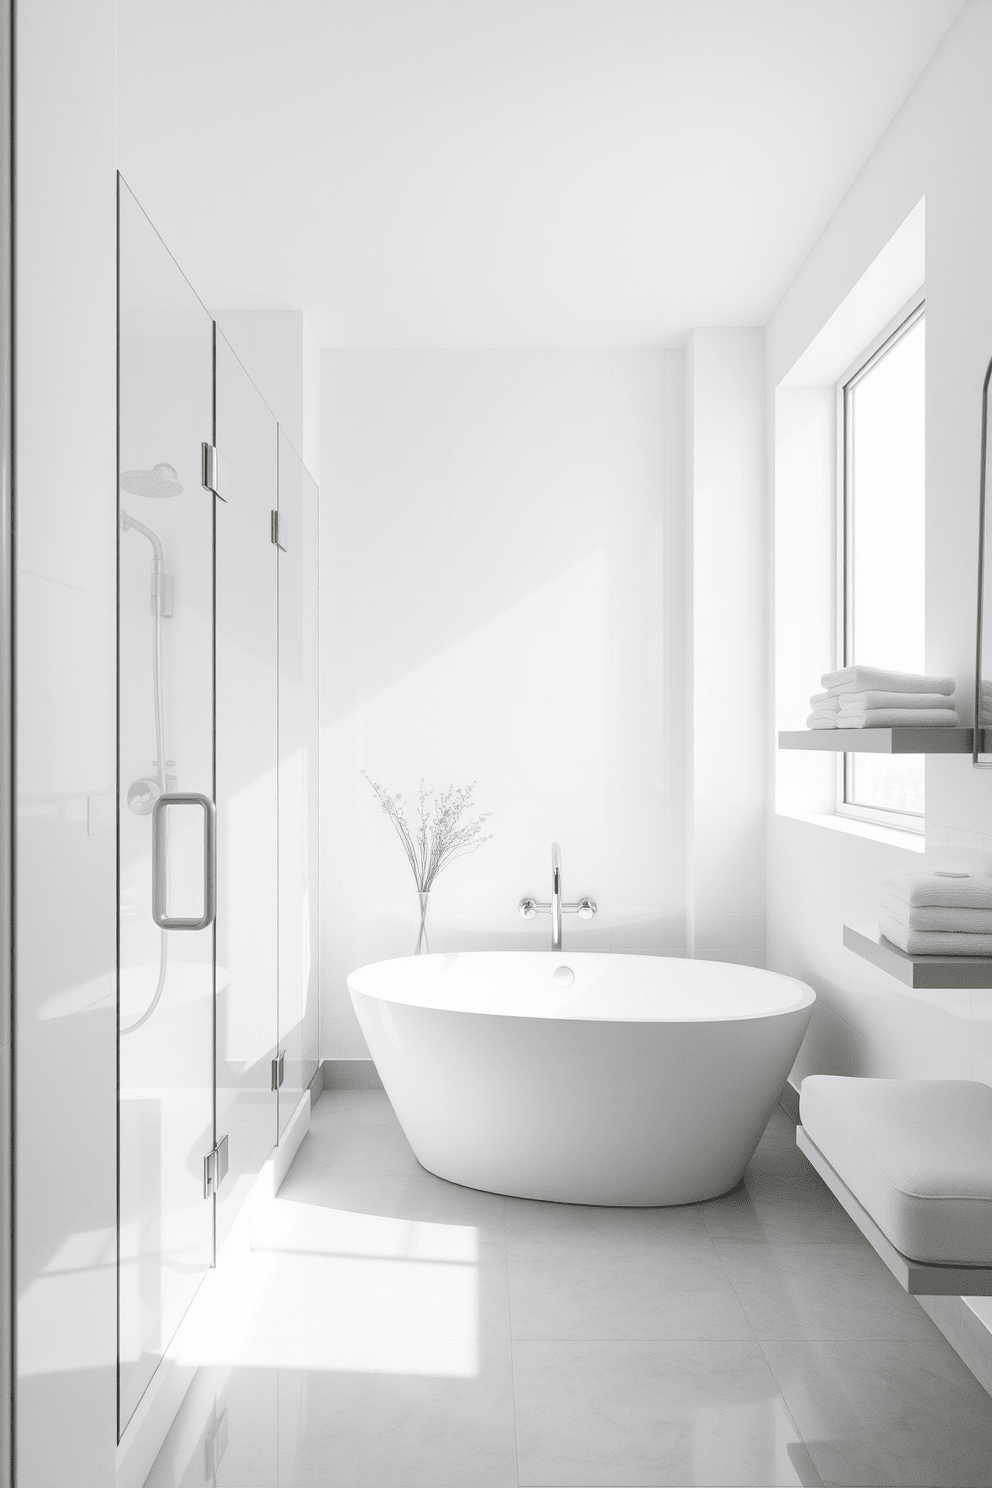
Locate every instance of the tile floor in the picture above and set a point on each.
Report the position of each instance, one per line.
(395, 1331)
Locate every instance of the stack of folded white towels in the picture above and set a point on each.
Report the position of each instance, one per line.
(868, 697)
(938, 914)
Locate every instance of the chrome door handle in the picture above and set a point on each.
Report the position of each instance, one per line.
(160, 863)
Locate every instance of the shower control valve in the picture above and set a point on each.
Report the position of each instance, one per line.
(142, 795)
(585, 908)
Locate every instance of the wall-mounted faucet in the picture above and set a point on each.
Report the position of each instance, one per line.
(585, 908)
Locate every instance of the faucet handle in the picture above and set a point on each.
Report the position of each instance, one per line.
(586, 908)
(528, 908)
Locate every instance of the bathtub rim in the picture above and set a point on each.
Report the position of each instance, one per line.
(807, 999)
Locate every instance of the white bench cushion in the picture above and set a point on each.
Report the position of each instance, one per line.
(917, 1154)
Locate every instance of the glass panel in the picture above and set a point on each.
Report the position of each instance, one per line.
(980, 708)
(311, 731)
(247, 885)
(165, 574)
(885, 422)
(297, 777)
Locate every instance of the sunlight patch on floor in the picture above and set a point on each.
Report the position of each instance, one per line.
(330, 1289)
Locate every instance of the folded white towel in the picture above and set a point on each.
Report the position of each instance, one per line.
(933, 942)
(972, 891)
(899, 718)
(825, 702)
(937, 917)
(854, 701)
(867, 679)
(821, 720)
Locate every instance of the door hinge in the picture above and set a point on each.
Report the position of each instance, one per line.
(214, 470)
(278, 1069)
(274, 530)
(215, 1166)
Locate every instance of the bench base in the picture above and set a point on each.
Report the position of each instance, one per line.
(919, 1278)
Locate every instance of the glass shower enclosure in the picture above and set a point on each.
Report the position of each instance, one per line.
(165, 806)
(217, 780)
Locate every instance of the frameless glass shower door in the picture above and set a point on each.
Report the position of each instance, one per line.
(247, 784)
(217, 793)
(165, 799)
(297, 777)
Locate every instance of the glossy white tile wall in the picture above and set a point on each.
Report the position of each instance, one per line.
(725, 398)
(502, 581)
(865, 1022)
(65, 501)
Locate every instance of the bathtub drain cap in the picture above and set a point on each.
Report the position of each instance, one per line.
(563, 976)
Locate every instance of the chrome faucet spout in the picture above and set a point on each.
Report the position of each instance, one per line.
(585, 907)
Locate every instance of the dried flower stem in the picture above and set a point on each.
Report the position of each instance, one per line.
(439, 836)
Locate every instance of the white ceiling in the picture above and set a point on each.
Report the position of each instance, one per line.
(506, 172)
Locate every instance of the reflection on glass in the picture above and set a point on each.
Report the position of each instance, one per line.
(885, 437)
(165, 744)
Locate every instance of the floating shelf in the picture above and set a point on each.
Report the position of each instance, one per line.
(883, 741)
(919, 1278)
(931, 972)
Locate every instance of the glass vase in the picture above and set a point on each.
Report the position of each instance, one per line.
(423, 949)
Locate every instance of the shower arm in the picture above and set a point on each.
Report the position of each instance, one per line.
(129, 522)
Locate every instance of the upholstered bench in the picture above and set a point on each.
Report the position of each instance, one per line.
(911, 1162)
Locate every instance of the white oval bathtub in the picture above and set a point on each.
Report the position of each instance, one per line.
(647, 1080)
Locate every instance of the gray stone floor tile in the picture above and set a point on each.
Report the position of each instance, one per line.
(667, 1294)
(899, 1414)
(393, 1330)
(652, 1413)
(821, 1291)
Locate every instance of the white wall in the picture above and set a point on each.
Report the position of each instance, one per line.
(726, 644)
(502, 581)
(65, 508)
(865, 1023)
(278, 349)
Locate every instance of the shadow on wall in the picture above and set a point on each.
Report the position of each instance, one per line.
(499, 535)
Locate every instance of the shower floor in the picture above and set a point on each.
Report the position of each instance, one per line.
(392, 1330)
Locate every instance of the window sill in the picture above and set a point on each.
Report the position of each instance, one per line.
(891, 836)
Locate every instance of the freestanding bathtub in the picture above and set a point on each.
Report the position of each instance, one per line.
(581, 1077)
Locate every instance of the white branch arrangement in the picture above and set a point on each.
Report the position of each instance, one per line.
(439, 836)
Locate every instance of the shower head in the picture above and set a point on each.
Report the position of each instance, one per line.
(162, 481)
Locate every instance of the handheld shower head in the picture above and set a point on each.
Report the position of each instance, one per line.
(162, 481)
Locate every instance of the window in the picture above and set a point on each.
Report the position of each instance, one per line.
(881, 411)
